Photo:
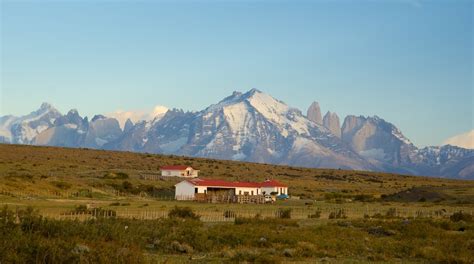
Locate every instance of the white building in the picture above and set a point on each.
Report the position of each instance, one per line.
(179, 171)
(273, 187)
(187, 189)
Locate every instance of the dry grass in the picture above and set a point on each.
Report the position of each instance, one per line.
(53, 169)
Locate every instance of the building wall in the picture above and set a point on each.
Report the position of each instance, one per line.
(242, 190)
(179, 173)
(184, 191)
(279, 190)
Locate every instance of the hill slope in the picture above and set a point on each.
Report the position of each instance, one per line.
(46, 169)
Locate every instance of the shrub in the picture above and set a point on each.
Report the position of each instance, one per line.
(127, 186)
(284, 213)
(392, 212)
(461, 216)
(182, 212)
(62, 185)
(339, 214)
(115, 175)
(316, 214)
(363, 198)
(80, 209)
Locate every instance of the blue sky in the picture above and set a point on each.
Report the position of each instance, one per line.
(409, 62)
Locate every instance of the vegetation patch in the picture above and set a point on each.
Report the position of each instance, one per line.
(417, 194)
(61, 185)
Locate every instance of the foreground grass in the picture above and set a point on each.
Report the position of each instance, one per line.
(26, 237)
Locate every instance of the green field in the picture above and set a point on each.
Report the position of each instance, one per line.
(333, 216)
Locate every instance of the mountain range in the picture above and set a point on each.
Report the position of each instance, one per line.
(251, 126)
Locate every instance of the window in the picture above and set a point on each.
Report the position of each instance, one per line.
(240, 192)
(195, 190)
(252, 192)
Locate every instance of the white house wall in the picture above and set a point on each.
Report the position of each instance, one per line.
(184, 191)
(179, 173)
(279, 190)
(242, 190)
(171, 173)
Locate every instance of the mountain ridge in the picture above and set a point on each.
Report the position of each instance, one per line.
(251, 126)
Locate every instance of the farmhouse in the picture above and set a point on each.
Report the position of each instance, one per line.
(227, 191)
(179, 171)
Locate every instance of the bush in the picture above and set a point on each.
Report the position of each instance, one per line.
(461, 216)
(116, 175)
(391, 213)
(62, 185)
(339, 214)
(284, 213)
(316, 214)
(364, 197)
(127, 186)
(182, 212)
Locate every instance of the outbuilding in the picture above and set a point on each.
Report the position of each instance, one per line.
(179, 171)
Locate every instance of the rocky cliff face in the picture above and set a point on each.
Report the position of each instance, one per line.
(314, 113)
(376, 139)
(331, 122)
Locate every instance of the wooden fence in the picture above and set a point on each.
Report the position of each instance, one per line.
(229, 215)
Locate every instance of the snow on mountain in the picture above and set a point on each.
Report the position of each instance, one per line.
(256, 127)
(251, 126)
(138, 115)
(22, 130)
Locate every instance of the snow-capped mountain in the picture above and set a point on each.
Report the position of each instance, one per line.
(444, 160)
(23, 130)
(251, 126)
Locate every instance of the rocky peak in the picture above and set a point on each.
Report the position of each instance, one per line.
(314, 113)
(351, 123)
(97, 117)
(46, 106)
(331, 122)
(128, 125)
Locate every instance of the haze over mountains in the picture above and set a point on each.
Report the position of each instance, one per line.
(251, 126)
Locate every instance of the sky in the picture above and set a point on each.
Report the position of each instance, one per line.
(409, 62)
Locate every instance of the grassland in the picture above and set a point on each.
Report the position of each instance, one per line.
(382, 217)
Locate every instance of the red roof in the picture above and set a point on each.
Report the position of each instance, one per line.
(223, 183)
(175, 167)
